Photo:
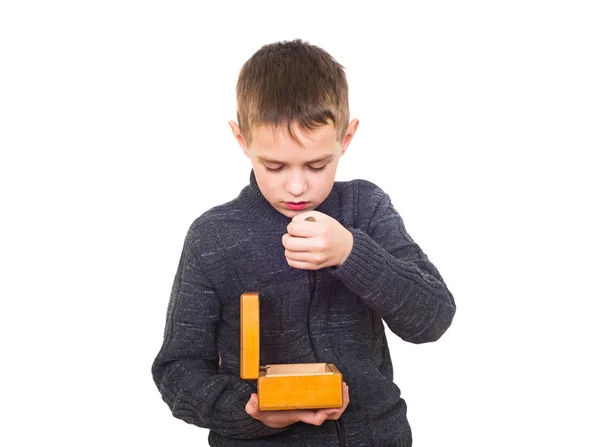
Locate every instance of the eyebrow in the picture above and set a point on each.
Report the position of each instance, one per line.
(316, 160)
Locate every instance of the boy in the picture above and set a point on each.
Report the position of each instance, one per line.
(325, 286)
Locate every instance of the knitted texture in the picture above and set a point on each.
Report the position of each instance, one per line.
(236, 248)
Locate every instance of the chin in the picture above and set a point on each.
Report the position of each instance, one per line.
(292, 213)
(289, 213)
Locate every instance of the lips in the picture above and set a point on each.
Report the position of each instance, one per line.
(296, 206)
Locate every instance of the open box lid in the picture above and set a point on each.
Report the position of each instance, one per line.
(249, 336)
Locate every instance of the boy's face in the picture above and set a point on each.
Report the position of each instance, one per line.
(295, 179)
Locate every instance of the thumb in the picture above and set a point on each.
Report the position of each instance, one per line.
(252, 405)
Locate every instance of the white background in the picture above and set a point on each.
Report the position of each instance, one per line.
(480, 119)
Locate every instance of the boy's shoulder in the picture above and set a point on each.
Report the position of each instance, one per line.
(358, 187)
(357, 201)
(215, 217)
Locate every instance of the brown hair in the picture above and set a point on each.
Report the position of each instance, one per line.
(292, 82)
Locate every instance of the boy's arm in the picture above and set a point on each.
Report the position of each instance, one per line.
(388, 270)
(186, 370)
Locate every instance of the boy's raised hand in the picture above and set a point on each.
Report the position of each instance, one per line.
(312, 245)
(280, 419)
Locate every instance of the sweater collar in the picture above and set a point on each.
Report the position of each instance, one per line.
(256, 203)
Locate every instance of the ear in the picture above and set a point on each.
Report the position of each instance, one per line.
(350, 131)
(235, 129)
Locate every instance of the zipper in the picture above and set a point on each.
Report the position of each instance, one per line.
(312, 286)
(341, 433)
(312, 283)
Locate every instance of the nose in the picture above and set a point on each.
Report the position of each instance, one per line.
(296, 184)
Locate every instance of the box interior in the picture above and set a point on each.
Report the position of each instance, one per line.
(304, 369)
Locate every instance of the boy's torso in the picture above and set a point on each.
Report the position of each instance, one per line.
(239, 252)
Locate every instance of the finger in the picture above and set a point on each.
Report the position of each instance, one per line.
(252, 406)
(313, 417)
(295, 243)
(345, 396)
(302, 265)
(345, 401)
(305, 256)
(304, 228)
(328, 413)
(335, 415)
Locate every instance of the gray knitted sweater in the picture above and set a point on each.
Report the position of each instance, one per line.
(332, 315)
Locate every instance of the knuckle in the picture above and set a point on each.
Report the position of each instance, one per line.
(318, 259)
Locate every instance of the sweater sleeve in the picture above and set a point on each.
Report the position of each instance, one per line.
(391, 274)
(186, 370)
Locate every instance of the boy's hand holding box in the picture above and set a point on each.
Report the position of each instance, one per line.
(284, 387)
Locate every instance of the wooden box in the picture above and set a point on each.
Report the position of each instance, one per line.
(284, 387)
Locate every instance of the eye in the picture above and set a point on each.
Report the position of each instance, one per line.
(317, 169)
(279, 169)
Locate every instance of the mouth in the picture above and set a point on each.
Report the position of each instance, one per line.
(296, 206)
